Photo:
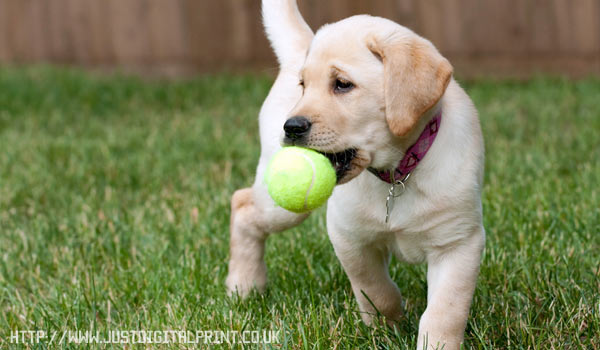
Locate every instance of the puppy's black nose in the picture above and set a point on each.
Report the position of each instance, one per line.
(296, 127)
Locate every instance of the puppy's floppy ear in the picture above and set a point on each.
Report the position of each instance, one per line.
(415, 78)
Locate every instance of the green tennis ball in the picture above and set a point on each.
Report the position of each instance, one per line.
(300, 179)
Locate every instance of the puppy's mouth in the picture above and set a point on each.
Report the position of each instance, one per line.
(346, 163)
(341, 161)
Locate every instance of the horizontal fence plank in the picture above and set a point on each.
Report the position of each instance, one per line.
(179, 37)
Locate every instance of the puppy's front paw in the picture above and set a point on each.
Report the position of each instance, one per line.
(439, 333)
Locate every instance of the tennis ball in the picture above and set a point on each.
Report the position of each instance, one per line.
(300, 179)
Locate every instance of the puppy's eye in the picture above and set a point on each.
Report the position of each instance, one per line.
(301, 83)
(341, 86)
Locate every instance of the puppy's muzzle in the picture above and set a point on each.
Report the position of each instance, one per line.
(296, 128)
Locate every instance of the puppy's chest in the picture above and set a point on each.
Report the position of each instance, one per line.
(408, 248)
(361, 217)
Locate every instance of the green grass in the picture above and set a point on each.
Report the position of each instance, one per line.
(114, 210)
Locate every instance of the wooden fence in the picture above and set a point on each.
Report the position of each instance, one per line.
(180, 37)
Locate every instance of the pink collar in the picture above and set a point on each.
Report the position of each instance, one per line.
(414, 154)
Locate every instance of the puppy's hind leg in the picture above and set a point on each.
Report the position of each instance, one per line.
(254, 215)
(253, 218)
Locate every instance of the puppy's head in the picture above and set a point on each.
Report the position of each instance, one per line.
(367, 83)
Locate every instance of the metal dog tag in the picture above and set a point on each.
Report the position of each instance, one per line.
(389, 200)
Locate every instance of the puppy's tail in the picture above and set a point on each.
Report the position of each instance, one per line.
(287, 31)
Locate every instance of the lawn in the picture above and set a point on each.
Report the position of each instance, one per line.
(114, 212)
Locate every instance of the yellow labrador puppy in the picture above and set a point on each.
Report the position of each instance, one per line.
(372, 95)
